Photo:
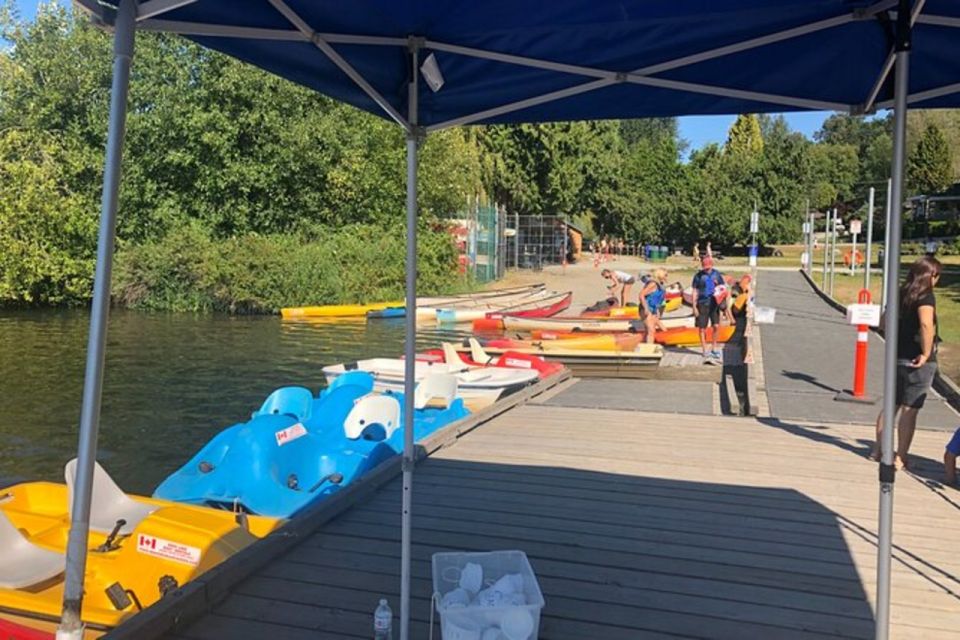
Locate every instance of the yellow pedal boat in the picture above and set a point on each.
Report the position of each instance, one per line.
(159, 546)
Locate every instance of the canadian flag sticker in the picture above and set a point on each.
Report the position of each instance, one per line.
(168, 550)
(291, 433)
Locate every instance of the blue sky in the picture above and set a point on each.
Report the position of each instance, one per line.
(697, 130)
(701, 130)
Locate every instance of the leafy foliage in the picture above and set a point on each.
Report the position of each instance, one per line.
(929, 168)
(243, 192)
(187, 270)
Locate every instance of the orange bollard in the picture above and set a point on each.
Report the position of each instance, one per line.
(860, 365)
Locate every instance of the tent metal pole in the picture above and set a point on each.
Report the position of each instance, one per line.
(410, 343)
(886, 252)
(71, 626)
(891, 327)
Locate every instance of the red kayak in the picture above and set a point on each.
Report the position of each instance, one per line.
(507, 360)
(543, 308)
(12, 631)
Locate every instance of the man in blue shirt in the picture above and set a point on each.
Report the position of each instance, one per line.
(709, 290)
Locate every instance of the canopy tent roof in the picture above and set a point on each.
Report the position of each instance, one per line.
(533, 61)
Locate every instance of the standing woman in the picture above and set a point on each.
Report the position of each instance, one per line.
(916, 352)
(652, 297)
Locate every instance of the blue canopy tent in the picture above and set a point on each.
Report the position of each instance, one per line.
(433, 64)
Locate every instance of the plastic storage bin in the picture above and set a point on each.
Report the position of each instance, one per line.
(472, 621)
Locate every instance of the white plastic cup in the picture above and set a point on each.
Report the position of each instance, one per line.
(461, 628)
(517, 624)
(509, 583)
(456, 598)
(471, 577)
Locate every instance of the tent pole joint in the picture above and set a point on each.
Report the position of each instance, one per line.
(417, 133)
(904, 27)
(888, 473)
(415, 43)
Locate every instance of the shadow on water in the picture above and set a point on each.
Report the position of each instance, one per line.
(172, 381)
(617, 556)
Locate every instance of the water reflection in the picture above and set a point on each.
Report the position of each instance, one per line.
(172, 381)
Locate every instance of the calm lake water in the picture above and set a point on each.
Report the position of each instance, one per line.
(172, 381)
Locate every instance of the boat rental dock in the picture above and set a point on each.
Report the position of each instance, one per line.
(637, 525)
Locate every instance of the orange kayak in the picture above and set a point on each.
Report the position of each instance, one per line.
(679, 337)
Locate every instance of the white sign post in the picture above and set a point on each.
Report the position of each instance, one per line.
(855, 230)
(865, 314)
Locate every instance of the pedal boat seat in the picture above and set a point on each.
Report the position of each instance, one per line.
(109, 503)
(373, 417)
(436, 387)
(22, 563)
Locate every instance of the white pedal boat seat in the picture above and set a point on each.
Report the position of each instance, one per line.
(22, 563)
(109, 503)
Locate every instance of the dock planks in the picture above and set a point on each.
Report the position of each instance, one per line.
(665, 526)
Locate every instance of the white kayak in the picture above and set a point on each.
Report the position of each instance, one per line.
(479, 388)
(596, 325)
(470, 310)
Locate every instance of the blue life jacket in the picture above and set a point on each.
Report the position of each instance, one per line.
(656, 298)
(706, 284)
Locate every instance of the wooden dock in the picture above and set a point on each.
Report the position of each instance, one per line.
(638, 525)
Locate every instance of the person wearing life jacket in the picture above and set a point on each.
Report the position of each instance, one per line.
(710, 291)
(620, 283)
(653, 297)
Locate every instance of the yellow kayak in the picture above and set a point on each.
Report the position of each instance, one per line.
(336, 310)
(672, 304)
(165, 545)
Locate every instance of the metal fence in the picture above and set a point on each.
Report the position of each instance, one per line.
(491, 241)
(535, 241)
(479, 232)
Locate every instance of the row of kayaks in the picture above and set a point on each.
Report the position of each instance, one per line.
(532, 301)
(296, 450)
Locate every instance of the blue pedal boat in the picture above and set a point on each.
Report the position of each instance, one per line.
(298, 449)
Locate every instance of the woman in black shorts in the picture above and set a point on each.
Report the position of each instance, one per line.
(916, 352)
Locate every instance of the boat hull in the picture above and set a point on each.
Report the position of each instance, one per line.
(589, 325)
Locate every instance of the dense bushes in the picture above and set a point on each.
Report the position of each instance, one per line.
(188, 271)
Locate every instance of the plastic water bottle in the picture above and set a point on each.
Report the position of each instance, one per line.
(383, 622)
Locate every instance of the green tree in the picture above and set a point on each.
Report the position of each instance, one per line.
(929, 167)
(744, 138)
(832, 173)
